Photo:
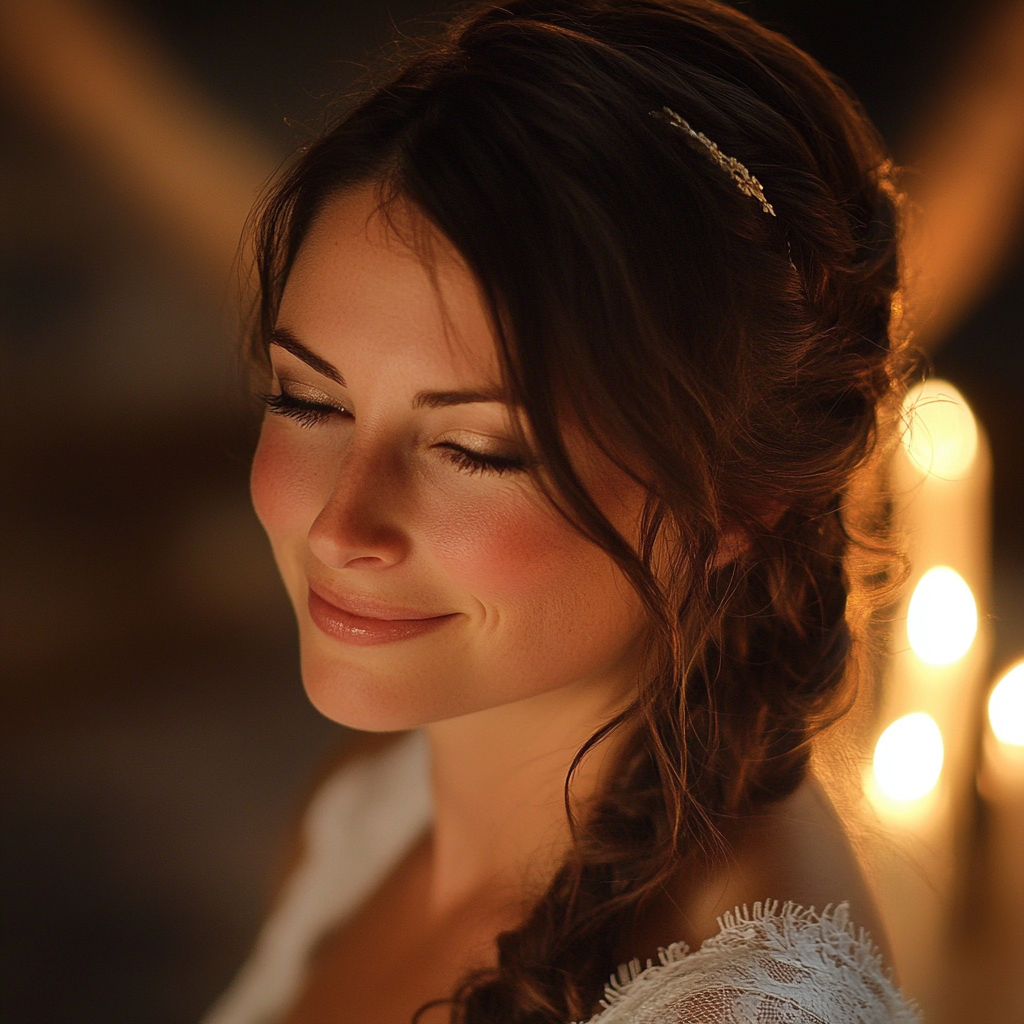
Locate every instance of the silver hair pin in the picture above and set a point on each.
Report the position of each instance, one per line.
(745, 181)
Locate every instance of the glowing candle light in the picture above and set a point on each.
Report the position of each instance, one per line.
(908, 757)
(1001, 778)
(941, 436)
(924, 776)
(1006, 707)
(942, 618)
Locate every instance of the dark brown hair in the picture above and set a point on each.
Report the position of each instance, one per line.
(733, 362)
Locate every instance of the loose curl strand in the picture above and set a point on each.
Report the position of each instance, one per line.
(740, 366)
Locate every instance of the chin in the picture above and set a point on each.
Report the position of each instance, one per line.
(377, 698)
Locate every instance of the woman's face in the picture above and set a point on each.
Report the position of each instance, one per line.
(430, 577)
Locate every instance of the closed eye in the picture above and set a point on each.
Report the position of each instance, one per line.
(309, 413)
(305, 412)
(480, 462)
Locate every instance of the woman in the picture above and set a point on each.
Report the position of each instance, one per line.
(575, 334)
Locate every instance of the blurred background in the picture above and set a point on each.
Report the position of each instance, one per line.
(156, 741)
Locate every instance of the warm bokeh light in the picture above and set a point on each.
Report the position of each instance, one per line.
(942, 618)
(941, 436)
(908, 757)
(1006, 707)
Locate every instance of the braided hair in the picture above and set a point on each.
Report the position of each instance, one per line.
(738, 365)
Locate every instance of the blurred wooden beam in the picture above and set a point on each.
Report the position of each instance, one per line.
(121, 102)
(194, 172)
(966, 177)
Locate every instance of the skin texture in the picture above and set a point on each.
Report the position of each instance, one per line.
(369, 506)
(368, 496)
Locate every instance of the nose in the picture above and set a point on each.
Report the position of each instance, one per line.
(358, 527)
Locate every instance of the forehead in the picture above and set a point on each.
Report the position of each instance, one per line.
(387, 283)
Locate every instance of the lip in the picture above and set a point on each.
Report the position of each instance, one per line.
(367, 623)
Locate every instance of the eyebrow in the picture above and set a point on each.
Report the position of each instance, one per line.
(444, 399)
(284, 338)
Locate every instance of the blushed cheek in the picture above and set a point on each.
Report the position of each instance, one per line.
(511, 552)
(286, 486)
(269, 489)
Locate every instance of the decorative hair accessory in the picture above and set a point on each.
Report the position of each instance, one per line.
(745, 181)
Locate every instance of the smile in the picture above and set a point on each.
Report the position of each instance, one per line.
(384, 626)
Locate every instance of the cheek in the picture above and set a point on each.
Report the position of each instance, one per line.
(497, 546)
(289, 484)
(520, 558)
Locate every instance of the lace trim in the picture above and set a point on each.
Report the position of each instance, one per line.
(827, 941)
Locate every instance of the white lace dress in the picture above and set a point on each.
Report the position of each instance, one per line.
(769, 965)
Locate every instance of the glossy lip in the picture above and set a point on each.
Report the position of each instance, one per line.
(367, 623)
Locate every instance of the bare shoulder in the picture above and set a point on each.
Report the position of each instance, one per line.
(770, 962)
(786, 929)
(795, 851)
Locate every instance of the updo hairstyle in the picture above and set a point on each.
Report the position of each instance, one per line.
(738, 365)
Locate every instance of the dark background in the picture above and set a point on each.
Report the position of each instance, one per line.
(156, 739)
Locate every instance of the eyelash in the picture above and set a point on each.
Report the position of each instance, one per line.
(477, 462)
(307, 414)
(311, 414)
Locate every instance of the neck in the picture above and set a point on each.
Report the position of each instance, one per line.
(500, 827)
